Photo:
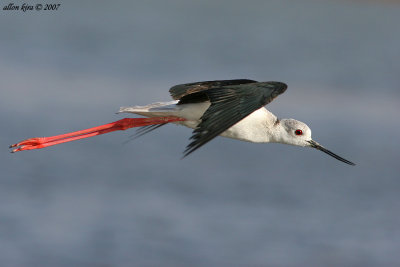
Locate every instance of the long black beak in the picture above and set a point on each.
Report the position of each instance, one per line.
(323, 149)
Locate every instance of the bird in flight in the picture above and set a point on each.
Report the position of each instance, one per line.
(230, 108)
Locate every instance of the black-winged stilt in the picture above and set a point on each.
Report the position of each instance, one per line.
(230, 108)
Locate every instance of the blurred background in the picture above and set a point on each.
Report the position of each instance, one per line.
(104, 202)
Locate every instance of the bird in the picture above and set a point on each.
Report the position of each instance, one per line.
(228, 108)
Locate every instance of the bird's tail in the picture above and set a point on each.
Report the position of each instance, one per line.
(159, 109)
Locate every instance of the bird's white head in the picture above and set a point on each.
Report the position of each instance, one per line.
(297, 133)
(293, 132)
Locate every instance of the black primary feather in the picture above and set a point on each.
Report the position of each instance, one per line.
(229, 105)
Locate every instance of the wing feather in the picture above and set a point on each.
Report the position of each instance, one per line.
(181, 90)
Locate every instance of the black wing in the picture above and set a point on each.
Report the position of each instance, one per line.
(229, 105)
(181, 90)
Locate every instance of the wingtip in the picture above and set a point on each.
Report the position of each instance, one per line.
(280, 87)
(185, 154)
(187, 151)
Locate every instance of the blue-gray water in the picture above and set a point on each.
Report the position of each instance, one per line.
(101, 202)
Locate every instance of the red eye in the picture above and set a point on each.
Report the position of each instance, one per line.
(298, 132)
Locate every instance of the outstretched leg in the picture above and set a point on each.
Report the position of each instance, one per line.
(121, 125)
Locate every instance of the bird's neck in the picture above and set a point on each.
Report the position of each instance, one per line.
(275, 130)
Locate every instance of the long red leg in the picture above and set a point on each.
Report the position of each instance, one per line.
(121, 125)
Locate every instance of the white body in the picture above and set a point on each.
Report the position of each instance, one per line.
(259, 127)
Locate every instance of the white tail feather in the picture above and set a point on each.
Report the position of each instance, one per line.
(151, 110)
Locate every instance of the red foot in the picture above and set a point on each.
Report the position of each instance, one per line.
(121, 125)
